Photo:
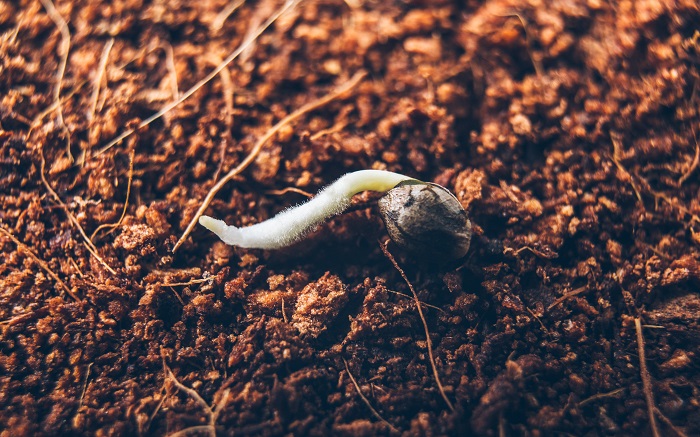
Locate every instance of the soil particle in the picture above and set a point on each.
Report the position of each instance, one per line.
(318, 304)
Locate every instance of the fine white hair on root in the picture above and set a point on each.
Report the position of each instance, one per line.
(294, 223)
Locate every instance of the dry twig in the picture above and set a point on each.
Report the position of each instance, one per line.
(228, 94)
(695, 162)
(617, 156)
(284, 191)
(52, 107)
(163, 396)
(39, 261)
(184, 284)
(284, 313)
(221, 17)
(170, 64)
(114, 226)
(247, 43)
(422, 318)
(675, 203)
(561, 299)
(422, 303)
(366, 401)
(532, 313)
(19, 318)
(670, 424)
(97, 84)
(502, 425)
(347, 86)
(212, 413)
(536, 63)
(88, 243)
(536, 252)
(64, 49)
(85, 384)
(646, 378)
(597, 396)
(331, 130)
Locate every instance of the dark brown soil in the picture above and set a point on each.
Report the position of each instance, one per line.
(569, 131)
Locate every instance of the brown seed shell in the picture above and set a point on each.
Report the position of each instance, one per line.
(426, 220)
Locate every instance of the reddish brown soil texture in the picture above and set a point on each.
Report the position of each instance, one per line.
(567, 129)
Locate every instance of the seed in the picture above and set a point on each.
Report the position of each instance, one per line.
(426, 220)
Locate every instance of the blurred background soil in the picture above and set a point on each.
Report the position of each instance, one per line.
(568, 129)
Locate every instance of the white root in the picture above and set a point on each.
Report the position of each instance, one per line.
(294, 223)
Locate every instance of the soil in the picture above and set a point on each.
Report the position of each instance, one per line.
(568, 130)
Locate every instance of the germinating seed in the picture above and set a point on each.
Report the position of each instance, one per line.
(420, 217)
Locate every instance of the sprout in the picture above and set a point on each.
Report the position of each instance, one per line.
(419, 216)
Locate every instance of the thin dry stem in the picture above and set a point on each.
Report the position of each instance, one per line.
(536, 63)
(222, 156)
(421, 302)
(64, 48)
(85, 384)
(284, 191)
(616, 159)
(190, 282)
(347, 86)
(182, 302)
(674, 203)
(228, 94)
(102, 67)
(19, 317)
(194, 430)
(97, 83)
(191, 392)
(536, 252)
(247, 43)
(222, 16)
(567, 296)
(284, 313)
(19, 117)
(679, 432)
(646, 378)
(502, 425)
(220, 406)
(210, 427)
(597, 396)
(331, 130)
(366, 401)
(76, 267)
(212, 413)
(39, 261)
(52, 107)
(88, 243)
(532, 313)
(170, 64)
(114, 226)
(422, 318)
(227, 85)
(695, 162)
(164, 396)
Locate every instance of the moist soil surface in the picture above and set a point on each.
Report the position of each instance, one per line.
(567, 130)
